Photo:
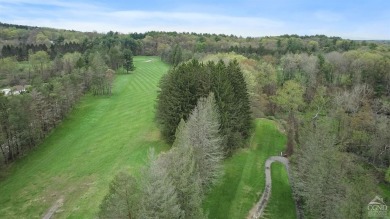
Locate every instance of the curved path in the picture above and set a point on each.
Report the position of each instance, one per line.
(54, 208)
(258, 209)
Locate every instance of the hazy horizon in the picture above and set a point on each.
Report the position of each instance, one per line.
(364, 20)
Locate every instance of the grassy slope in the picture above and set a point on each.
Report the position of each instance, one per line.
(244, 177)
(281, 204)
(77, 161)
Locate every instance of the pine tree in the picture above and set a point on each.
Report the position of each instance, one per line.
(241, 98)
(223, 90)
(159, 196)
(179, 91)
(128, 60)
(203, 133)
(122, 198)
(185, 84)
(184, 172)
(195, 161)
(180, 167)
(176, 56)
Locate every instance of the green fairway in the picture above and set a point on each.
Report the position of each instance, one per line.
(244, 177)
(77, 161)
(281, 204)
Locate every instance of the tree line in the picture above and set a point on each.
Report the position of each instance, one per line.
(50, 87)
(26, 119)
(164, 43)
(21, 52)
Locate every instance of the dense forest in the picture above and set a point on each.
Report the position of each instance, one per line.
(331, 96)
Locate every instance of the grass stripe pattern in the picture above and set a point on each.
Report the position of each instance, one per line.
(101, 136)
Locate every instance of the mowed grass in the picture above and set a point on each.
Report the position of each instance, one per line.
(244, 179)
(102, 136)
(281, 203)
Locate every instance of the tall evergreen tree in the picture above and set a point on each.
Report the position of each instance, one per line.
(122, 198)
(128, 60)
(204, 135)
(224, 95)
(176, 56)
(179, 92)
(184, 85)
(159, 196)
(195, 161)
(184, 172)
(241, 98)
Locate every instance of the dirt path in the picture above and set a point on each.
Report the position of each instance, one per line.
(54, 208)
(258, 209)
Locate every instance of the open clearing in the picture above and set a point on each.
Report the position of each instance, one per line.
(244, 179)
(78, 160)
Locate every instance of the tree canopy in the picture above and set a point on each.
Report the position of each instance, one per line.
(184, 85)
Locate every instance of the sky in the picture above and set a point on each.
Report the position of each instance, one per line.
(351, 19)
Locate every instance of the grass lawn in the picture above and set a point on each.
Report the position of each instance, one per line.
(281, 204)
(244, 178)
(78, 160)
